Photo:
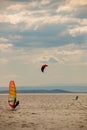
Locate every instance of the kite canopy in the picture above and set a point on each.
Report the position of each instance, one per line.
(43, 67)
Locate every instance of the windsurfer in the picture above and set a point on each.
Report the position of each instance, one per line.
(12, 95)
(16, 104)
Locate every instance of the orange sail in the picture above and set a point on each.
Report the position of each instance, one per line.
(12, 94)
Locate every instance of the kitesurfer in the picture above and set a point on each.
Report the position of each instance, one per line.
(77, 97)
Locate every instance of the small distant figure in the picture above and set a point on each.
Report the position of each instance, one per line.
(76, 98)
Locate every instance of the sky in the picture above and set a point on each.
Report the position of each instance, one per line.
(37, 32)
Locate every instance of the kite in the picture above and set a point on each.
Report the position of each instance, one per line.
(43, 67)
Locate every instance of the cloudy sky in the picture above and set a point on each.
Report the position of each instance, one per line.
(37, 32)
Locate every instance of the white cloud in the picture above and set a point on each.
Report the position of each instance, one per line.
(83, 22)
(11, 18)
(45, 2)
(5, 47)
(71, 5)
(31, 21)
(16, 7)
(76, 3)
(3, 39)
(67, 54)
(79, 30)
(64, 8)
(31, 18)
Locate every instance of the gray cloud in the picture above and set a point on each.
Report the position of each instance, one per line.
(42, 24)
(81, 12)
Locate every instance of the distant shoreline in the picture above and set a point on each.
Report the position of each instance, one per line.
(46, 93)
(47, 89)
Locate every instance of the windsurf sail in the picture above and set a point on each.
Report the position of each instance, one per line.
(12, 95)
